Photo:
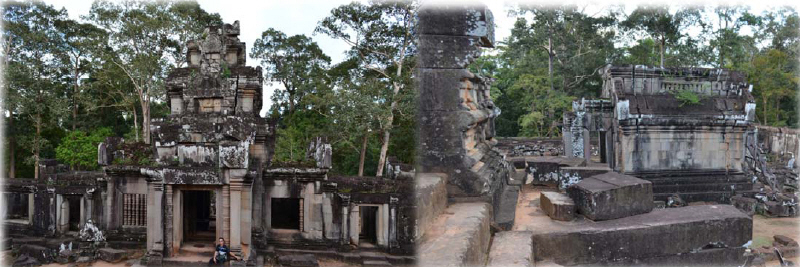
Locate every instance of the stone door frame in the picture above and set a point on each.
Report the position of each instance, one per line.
(174, 231)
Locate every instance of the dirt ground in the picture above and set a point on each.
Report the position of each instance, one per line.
(765, 228)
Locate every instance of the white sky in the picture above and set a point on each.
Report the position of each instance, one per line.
(301, 17)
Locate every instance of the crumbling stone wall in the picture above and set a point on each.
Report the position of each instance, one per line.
(781, 142)
(521, 146)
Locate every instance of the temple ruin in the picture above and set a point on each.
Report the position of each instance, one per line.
(618, 180)
(209, 174)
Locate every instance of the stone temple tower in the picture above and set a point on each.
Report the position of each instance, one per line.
(210, 150)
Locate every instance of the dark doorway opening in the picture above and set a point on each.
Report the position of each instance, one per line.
(74, 212)
(197, 216)
(17, 206)
(369, 225)
(286, 213)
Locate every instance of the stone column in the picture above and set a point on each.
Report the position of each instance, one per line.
(226, 213)
(236, 214)
(155, 234)
(89, 196)
(168, 220)
(31, 210)
(246, 223)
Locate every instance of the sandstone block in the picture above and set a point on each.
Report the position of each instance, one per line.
(111, 255)
(612, 195)
(660, 233)
(557, 206)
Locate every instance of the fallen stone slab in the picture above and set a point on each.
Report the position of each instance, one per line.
(42, 254)
(111, 255)
(745, 204)
(557, 206)
(511, 249)
(612, 195)
(662, 232)
(785, 240)
(463, 238)
(505, 209)
(705, 257)
(294, 260)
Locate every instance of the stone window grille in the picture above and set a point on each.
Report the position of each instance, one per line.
(134, 211)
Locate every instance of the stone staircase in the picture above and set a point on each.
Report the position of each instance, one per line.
(191, 254)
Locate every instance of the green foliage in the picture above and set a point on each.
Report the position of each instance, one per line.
(79, 149)
(295, 62)
(687, 97)
(225, 72)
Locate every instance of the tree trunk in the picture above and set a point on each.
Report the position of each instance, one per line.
(363, 154)
(764, 98)
(12, 171)
(146, 122)
(135, 124)
(291, 102)
(387, 130)
(550, 61)
(36, 145)
(661, 50)
(384, 148)
(74, 93)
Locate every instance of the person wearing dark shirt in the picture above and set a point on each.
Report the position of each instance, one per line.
(221, 253)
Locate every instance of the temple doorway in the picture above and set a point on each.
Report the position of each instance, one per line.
(369, 226)
(199, 220)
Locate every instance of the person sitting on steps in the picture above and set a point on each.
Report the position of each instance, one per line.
(221, 254)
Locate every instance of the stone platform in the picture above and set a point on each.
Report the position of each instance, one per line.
(661, 233)
(458, 237)
(511, 249)
(612, 195)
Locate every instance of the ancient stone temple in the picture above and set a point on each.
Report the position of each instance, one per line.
(208, 174)
(644, 126)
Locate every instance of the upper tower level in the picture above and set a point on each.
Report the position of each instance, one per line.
(216, 81)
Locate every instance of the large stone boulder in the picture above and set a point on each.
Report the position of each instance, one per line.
(612, 195)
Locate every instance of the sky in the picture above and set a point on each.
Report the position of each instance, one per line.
(301, 17)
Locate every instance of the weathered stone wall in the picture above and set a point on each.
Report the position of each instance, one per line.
(784, 142)
(670, 148)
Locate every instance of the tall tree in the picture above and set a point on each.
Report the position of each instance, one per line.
(145, 42)
(82, 41)
(380, 35)
(32, 45)
(661, 25)
(296, 62)
(731, 48)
